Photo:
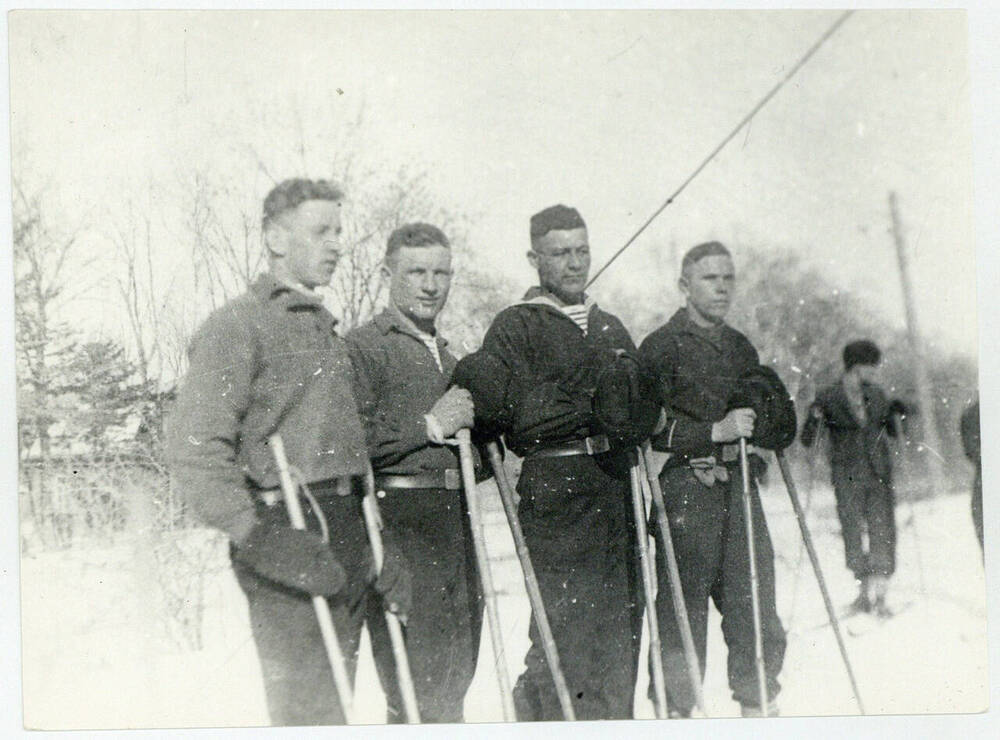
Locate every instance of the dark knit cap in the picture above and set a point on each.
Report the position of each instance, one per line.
(556, 218)
(762, 390)
(861, 352)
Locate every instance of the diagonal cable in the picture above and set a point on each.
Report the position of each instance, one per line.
(746, 119)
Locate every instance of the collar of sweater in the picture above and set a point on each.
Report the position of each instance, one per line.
(392, 318)
(269, 287)
(538, 296)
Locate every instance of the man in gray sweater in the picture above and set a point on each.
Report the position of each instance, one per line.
(269, 362)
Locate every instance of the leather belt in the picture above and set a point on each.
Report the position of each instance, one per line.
(449, 479)
(588, 446)
(325, 489)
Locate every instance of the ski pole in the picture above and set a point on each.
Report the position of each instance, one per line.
(758, 645)
(642, 540)
(786, 474)
(333, 653)
(373, 524)
(531, 582)
(676, 590)
(486, 578)
(897, 426)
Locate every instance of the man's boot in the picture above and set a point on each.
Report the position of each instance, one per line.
(864, 601)
(880, 585)
(752, 710)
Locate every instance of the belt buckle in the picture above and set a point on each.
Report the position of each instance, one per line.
(452, 480)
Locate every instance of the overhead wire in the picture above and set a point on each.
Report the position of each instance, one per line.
(732, 134)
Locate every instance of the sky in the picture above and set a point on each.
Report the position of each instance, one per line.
(510, 112)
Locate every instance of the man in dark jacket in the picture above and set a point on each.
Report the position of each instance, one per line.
(859, 418)
(535, 379)
(969, 428)
(402, 367)
(270, 362)
(696, 362)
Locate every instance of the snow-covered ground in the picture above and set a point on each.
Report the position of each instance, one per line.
(95, 653)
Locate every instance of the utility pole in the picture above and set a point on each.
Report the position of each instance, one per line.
(931, 444)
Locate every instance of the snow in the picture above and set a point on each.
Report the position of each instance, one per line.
(97, 651)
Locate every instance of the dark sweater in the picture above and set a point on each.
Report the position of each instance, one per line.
(856, 450)
(554, 369)
(694, 371)
(396, 382)
(269, 361)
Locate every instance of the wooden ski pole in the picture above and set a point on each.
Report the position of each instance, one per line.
(758, 644)
(486, 578)
(531, 582)
(403, 675)
(800, 515)
(341, 681)
(897, 427)
(676, 590)
(642, 541)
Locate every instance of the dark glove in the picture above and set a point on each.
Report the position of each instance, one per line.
(295, 558)
(394, 583)
(624, 408)
(761, 389)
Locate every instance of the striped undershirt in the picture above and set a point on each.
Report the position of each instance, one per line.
(578, 313)
(432, 345)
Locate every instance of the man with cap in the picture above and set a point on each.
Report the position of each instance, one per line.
(859, 418)
(402, 368)
(712, 390)
(270, 362)
(551, 376)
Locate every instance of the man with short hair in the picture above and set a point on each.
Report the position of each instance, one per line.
(859, 418)
(402, 368)
(270, 362)
(697, 363)
(551, 376)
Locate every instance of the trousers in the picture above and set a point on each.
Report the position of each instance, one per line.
(866, 505)
(577, 520)
(431, 527)
(709, 536)
(298, 680)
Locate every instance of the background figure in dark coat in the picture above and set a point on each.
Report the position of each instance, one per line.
(534, 380)
(402, 369)
(859, 418)
(271, 362)
(697, 363)
(971, 445)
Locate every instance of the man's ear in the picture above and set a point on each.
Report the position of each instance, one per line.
(533, 258)
(385, 269)
(276, 239)
(682, 284)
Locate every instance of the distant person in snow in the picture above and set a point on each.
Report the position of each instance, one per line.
(859, 417)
